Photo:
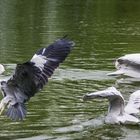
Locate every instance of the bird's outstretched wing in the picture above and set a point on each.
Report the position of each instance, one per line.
(30, 77)
(133, 105)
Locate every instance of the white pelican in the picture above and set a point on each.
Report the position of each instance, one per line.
(117, 112)
(128, 65)
(30, 77)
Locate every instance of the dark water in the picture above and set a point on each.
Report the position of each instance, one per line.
(102, 31)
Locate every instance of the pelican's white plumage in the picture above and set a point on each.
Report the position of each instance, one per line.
(117, 112)
(128, 65)
(2, 69)
(133, 105)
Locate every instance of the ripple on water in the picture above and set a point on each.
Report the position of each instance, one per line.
(57, 112)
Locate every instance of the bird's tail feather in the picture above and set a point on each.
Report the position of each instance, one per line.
(17, 111)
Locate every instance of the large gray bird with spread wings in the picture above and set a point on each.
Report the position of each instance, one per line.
(30, 77)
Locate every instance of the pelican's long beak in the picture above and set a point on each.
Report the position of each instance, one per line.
(100, 94)
(118, 72)
(92, 95)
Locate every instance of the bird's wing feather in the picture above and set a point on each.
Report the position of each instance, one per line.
(30, 77)
(133, 105)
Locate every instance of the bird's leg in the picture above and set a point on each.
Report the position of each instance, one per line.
(2, 109)
(2, 106)
(4, 102)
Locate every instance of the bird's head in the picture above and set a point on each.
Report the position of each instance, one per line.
(107, 93)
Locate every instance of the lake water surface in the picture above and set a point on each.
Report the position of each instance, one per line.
(102, 31)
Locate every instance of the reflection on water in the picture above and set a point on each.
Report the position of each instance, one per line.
(103, 31)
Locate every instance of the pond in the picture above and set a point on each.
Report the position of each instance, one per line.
(102, 31)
